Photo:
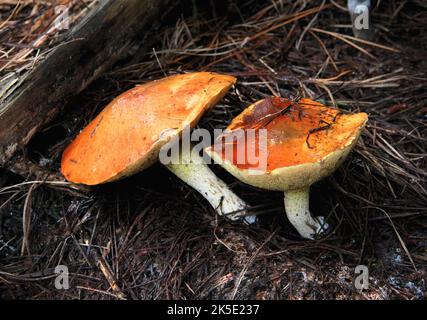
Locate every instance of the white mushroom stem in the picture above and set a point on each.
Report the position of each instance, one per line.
(298, 212)
(194, 171)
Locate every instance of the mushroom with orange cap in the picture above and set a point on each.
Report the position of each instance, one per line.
(305, 142)
(128, 134)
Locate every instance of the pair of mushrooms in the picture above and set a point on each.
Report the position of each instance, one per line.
(305, 142)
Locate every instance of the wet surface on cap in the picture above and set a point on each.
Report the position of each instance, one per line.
(128, 128)
(297, 133)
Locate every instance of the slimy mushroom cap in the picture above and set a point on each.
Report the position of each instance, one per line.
(127, 135)
(306, 141)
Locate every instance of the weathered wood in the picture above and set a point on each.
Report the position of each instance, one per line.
(89, 49)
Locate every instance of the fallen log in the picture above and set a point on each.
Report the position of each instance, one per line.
(103, 37)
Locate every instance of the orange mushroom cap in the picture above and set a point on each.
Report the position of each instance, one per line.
(306, 141)
(127, 135)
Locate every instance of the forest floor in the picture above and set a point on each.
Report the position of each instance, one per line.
(152, 237)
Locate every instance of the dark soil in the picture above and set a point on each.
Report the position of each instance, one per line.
(152, 237)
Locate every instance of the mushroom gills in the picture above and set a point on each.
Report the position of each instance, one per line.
(298, 213)
(191, 169)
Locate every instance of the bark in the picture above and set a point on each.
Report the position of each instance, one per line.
(89, 49)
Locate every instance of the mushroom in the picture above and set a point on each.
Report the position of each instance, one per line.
(128, 134)
(306, 141)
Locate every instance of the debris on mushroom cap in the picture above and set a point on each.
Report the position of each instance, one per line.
(302, 143)
(305, 142)
(127, 135)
